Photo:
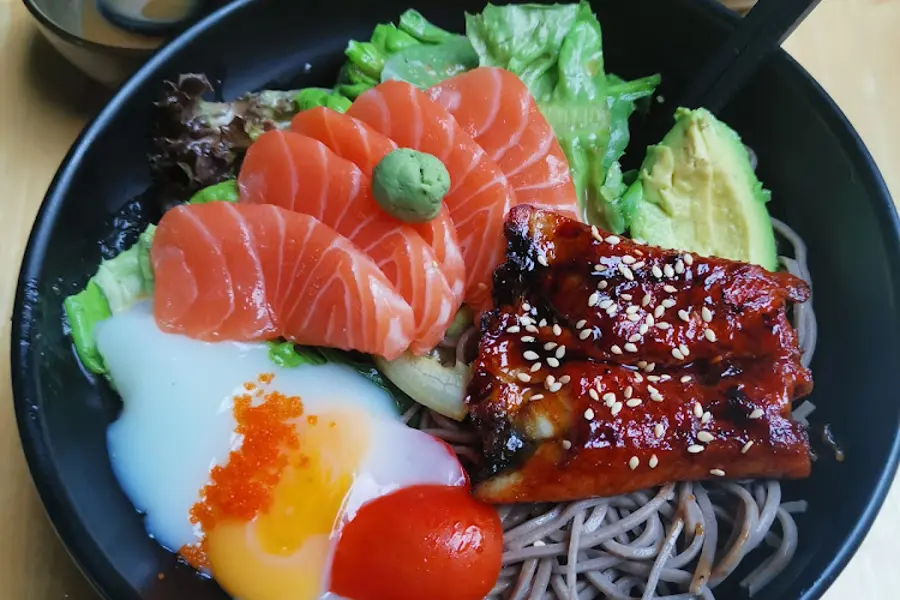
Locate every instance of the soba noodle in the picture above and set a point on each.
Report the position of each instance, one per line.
(677, 542)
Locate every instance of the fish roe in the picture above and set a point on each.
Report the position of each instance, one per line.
(243, 487)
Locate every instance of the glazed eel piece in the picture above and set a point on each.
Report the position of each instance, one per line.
(610, 366)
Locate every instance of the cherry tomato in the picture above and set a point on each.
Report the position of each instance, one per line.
(426, 541)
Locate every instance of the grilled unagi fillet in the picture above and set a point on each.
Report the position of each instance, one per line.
(609, 367)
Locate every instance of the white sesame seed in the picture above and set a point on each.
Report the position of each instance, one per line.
(593, 394)
(695, 449)
(679, 266)
(668, 303)
(653, 461)
(599, 268)
(627, 273)
(633, 402)
(652, 378)
(566, 444)
(638, 378)
(665, 377)
(639, 264)
(612, 310)
(602, 285)
(670, 288)
(626, 297)
(656, 397)
(530, 355)
(609, 397)
(688, 259)
(647, 299)
(552, 362)
(539, 544)
(658, 311)
(706, 314)
(615, 409)
(615, 349)
(596, 233)
(593, 299)
(535, 367)
(589, 413)
(526, 320)
(532, 329)
(527, 338)
(536, 397)
(706, 417)
(684, 316)
(657, 272)
(641, 364)
(629, 260)
(756, 414)
(633, 317)
(663, 325)
(524, 377)
(565, 379)
(513, 329)
(612, 240)
(632, 309)
(560, 352)
(543, 260)
(677, 354)
(684, 349)
(636, 337)
(717, 472)
(710, 335)
(634, 462)
(747, 447)
(659, 430)
(549, 345)
(606, 303)
(543, 323)
(705, 437)
(649, 320)
(636, 251)
(585, 334)
(549, 380)
(648, 369)
(643, 329)
(669, 271)
(557, 330)
(555, 387)
(685, 378)
(629, 347)
(698, 410)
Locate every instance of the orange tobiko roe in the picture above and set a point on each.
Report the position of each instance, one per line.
(243, 487)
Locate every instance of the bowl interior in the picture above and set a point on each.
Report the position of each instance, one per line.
(823, 183)
(85, 21)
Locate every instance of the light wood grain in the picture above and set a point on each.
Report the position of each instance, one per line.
(851, 46)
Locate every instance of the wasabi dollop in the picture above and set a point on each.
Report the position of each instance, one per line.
(410, 185)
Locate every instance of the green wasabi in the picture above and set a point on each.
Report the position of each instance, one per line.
(410, 185)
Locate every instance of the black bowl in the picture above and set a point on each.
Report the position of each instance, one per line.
(823, 180)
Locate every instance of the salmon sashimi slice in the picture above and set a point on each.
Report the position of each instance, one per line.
(299, 173)
(363, 146)
(494, 107)
(253, 272)
(479, 195)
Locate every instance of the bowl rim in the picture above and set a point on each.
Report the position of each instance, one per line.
(48, 23)
(53, 495)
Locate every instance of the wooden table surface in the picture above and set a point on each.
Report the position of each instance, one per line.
(851, 46)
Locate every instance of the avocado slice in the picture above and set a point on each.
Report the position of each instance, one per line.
(697, 191)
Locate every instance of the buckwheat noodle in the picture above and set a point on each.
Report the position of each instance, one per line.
(677, 542)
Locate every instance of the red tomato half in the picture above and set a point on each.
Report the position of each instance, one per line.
(425, 541)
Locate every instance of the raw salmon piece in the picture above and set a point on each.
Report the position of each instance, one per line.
(494, 107)
(301, 174)
(479, 195)
(360, 144)
(246, 272)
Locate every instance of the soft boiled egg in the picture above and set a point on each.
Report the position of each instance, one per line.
(257, 467)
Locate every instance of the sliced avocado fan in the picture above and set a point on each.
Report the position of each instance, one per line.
(697, 191)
